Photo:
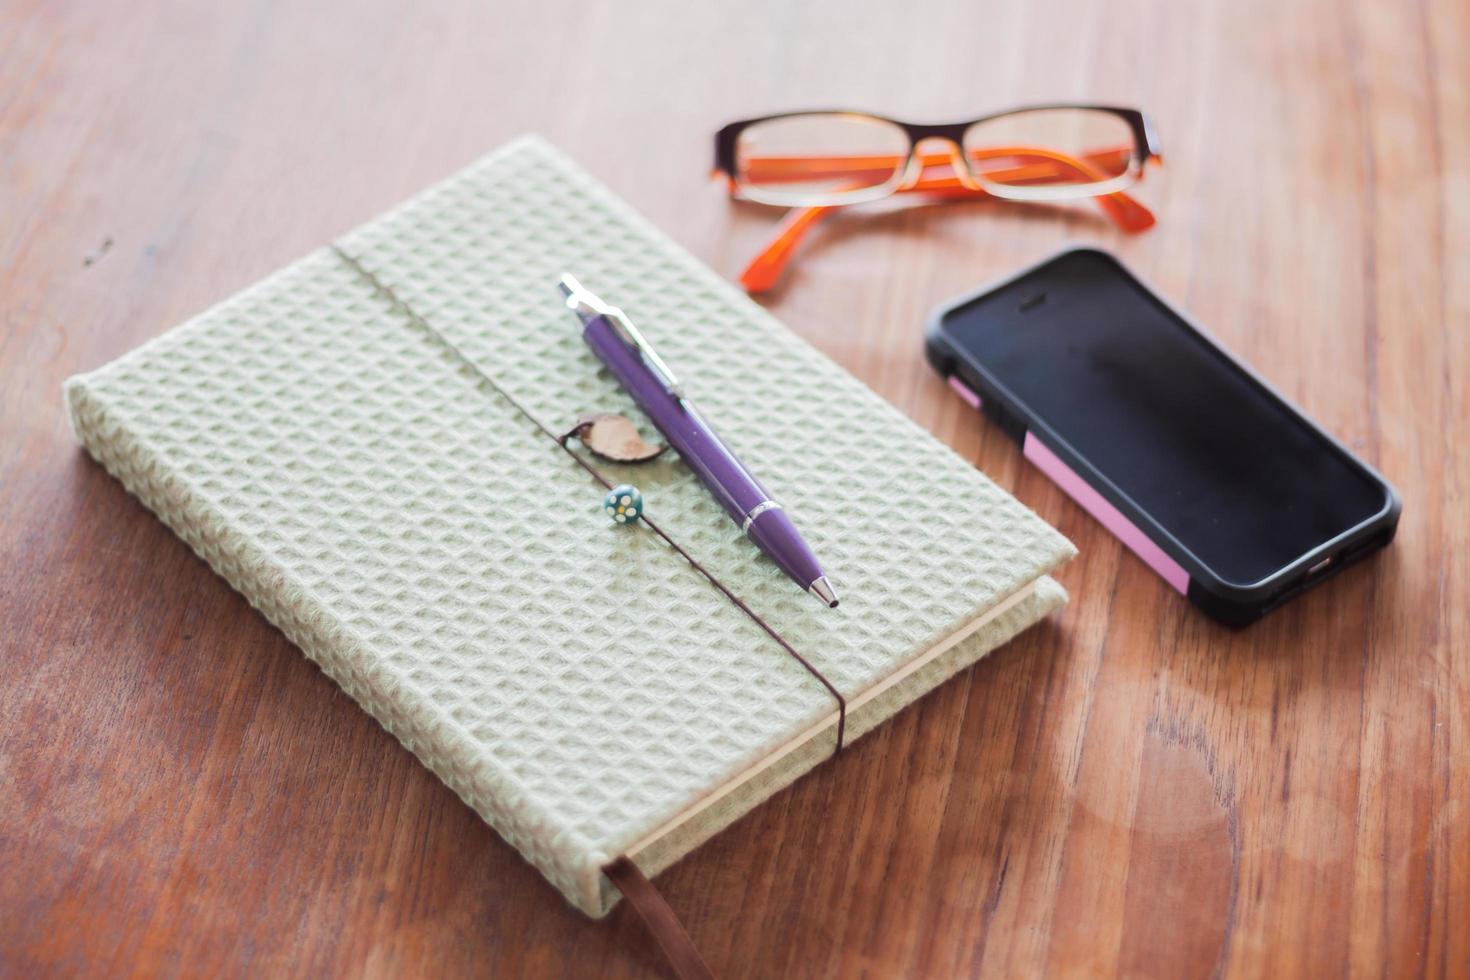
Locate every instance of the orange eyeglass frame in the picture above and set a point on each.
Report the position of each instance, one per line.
(944, 176)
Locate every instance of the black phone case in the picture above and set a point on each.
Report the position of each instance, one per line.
(1227, 602)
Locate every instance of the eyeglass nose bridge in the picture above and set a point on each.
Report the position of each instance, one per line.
(945, 139)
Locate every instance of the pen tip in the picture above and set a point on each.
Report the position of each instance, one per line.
(823, 590)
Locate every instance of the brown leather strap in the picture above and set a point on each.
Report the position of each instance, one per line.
(667, 930)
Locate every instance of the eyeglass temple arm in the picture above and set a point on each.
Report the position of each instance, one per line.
(765, 270)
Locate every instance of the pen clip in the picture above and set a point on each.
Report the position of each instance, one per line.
(587, 305)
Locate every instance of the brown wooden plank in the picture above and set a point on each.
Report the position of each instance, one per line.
(1126, 789)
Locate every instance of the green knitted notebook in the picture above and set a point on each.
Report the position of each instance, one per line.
(579, 684)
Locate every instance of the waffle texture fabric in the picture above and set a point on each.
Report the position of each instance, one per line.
(353, 444)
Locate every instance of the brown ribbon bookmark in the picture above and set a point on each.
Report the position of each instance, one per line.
(667, 930)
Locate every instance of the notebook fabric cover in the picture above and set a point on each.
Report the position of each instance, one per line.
(347, 443)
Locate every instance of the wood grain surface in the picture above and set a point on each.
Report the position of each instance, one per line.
(1128, 789)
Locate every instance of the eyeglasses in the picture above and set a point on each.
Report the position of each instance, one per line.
(816, 161)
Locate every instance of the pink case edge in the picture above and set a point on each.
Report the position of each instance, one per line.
(1074, 486)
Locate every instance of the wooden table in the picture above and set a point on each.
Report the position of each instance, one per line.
(1127, 788)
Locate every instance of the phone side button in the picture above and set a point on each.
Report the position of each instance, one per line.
(1109, 516)
(966, 393)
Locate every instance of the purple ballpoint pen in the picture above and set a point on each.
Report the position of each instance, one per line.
(619, 345)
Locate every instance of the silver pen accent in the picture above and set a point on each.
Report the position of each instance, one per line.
(823, 590)
(757, 511)
(585, 303)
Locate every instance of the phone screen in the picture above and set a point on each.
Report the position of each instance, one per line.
(1232, 472)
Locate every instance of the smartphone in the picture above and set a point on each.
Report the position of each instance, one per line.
(1220, 485)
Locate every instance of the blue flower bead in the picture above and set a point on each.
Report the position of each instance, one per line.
(623, 503)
